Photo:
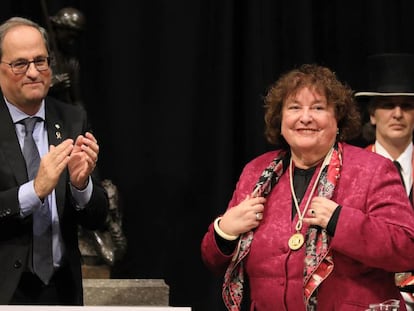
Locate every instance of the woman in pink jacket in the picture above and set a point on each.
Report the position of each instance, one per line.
(317, 224)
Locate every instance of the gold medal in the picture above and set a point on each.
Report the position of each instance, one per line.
(296, 241)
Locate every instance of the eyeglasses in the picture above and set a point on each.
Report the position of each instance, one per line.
(21, 65)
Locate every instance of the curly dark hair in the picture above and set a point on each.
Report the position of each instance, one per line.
(325, 82)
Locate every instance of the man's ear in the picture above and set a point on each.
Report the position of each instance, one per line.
(372, 119)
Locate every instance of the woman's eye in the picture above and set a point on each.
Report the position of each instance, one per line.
(319, 107)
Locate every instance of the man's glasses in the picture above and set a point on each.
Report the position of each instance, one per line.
(21, 65)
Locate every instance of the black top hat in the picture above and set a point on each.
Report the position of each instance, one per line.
(390, 74)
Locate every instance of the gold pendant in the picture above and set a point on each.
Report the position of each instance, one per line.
(296, 241)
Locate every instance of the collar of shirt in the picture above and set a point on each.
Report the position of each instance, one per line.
(18, 115)
(39, 133)
(406, 161)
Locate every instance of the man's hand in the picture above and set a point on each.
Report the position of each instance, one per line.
(83, 160)
(51, 167)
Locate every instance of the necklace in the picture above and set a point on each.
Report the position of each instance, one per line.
(297, 239)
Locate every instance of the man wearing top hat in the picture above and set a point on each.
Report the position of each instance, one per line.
(389, 106)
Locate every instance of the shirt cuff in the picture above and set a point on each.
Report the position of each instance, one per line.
(82, 197)
(28, 199)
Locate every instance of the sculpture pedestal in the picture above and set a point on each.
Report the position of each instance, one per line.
(96, 272)
(125, 292)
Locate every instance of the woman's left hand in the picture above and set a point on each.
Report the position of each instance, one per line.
(320, 212)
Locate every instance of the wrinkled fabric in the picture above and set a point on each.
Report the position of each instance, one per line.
(404, 280)
(372, 236)
(234, 276)
(318, 260)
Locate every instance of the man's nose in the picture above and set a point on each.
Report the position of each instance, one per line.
(397, 110)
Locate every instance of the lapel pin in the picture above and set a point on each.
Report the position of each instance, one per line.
(58, 134)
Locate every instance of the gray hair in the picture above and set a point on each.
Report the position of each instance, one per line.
(21, 21)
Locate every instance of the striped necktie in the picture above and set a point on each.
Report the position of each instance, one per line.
(42, 221)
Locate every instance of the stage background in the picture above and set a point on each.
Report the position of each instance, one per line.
(174, 91)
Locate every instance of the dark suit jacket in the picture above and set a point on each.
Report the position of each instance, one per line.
(16, 232)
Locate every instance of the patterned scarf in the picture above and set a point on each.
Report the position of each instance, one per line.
(318, 262)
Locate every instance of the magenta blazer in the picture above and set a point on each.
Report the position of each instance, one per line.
(374, 238)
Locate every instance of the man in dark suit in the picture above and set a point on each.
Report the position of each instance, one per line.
(63, 182)
(389, 105)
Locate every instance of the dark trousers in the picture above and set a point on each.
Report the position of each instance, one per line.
(32, 291)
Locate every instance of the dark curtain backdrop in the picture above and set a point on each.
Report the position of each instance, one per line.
(174, 91)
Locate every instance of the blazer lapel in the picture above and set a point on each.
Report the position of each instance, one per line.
(9, 145)
(57, 134)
